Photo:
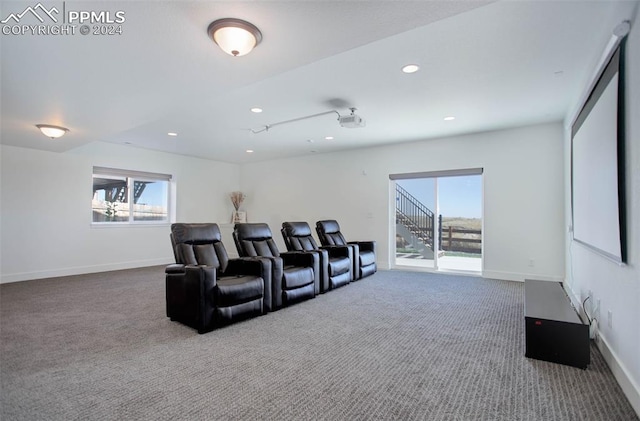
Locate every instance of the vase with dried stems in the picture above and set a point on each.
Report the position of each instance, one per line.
(238, 216)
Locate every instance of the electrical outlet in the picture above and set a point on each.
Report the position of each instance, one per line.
(532, 263)
(610, 319)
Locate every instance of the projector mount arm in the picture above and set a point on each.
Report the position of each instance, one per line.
(269, 126)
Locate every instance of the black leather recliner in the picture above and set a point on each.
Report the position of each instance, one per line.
(204, 288)
(335, 261)
(365, 262)
(293, 276)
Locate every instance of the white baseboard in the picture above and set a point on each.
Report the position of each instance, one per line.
(629, 387)
(519, 276)
(80, 270)
(491, 274)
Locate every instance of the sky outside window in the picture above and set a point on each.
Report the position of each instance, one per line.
(460, 196)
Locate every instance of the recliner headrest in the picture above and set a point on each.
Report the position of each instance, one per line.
(195, 233)
(253, 231)
(297, 229)
(329, 226)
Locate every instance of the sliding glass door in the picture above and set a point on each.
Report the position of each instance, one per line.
(438, 220)
(416, 222)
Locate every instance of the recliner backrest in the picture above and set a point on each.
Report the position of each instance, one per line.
(297, 236)
(199, 244)
(329, 233)
(255, 239)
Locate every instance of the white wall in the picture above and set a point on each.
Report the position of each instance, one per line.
(617, 288)
(45, 203)
(523, 193)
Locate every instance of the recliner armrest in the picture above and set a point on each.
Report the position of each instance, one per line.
(337, 251)
(365, 245)
(204, 276)
(175, 268)
(298, 258)
(255, 266)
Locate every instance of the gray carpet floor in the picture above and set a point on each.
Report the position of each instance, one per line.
(397, 345)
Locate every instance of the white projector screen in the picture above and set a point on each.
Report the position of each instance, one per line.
(597, 167)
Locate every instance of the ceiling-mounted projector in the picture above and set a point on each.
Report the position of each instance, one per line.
(351, 121)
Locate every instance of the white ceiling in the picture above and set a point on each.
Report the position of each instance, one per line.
(490, 64)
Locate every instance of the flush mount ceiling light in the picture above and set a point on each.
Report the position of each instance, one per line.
(51, 131)
(235, 36)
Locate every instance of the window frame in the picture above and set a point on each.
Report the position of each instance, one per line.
(131, 177)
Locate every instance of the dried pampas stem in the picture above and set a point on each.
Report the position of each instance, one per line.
(237, 197)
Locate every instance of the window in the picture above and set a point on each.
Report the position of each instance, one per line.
(129, 197)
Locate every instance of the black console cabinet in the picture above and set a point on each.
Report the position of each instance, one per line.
(554, 331)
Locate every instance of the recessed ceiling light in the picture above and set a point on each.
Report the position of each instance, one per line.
(256, 110)
(172, 134)
(249, 151)
(410, 68)
(450, 118)
(328, 138)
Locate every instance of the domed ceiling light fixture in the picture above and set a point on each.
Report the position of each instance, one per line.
(234, 36)
(51, 131)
